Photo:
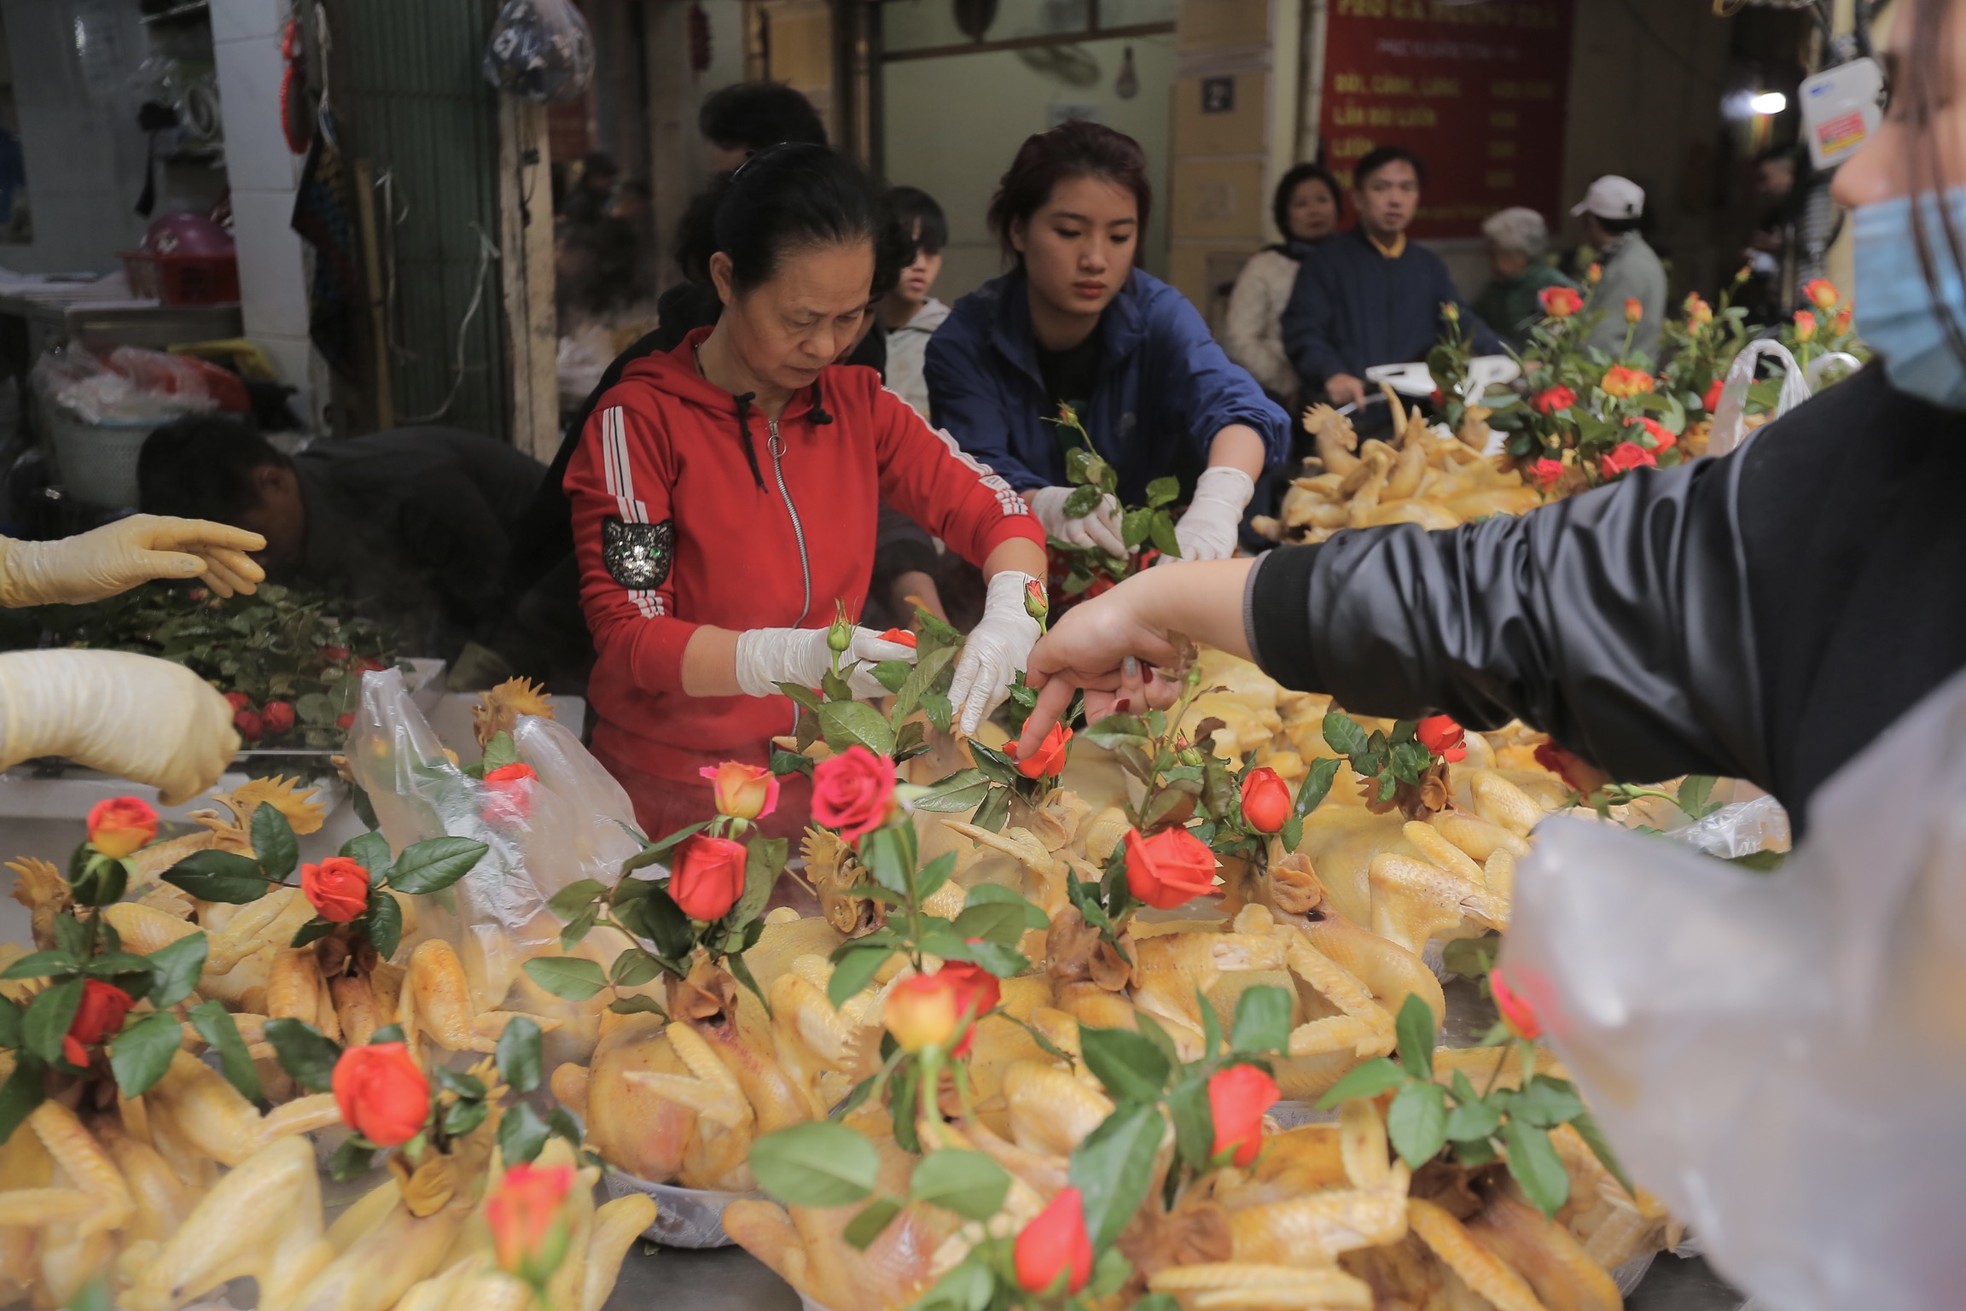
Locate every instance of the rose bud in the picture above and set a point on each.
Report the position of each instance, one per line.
(529, 1235)
(508, 793)
(1037, 604)
(1055, 1248)
(1442, 736)
(1168, 869)
(706, 876)
(334, 655)
(746, 791)
(1265, 801)
(1514, 1007)
(99, 1017)
(853, 792)
(345, 722)
(120, 826)
(382, 1094)
(337, 888)
(923, 1011)
(238, 701)
(899, 636)
(1634, 309)
(1048, 761)
(278, 717)
(1237, 1099)
(249, 726)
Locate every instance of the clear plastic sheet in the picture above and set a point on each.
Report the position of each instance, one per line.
(131, 386)
(684, 1217)
(540, 50)
(572, 822)
(1781, 1057)
(1737, 830)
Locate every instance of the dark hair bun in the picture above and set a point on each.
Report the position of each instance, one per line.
(787, 197)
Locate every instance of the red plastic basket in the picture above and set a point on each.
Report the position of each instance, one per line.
(183, 279)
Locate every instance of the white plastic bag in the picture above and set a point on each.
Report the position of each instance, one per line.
(1781, 1057)
(1730, 415)
(540, 50)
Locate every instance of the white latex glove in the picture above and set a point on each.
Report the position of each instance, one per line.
(134, 716)
(767, 657)
(128, 553)
(1101, 528)
(999, 646)
(1208, 530)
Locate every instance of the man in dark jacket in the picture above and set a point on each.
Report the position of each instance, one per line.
(1370, 296)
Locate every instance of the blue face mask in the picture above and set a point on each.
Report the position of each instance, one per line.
(1896, 312)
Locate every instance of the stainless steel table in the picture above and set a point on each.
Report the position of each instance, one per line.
(103, 324)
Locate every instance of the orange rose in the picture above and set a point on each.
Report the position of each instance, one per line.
(1168, 869)
(706, 876)
(898, 636)
(1055, 1248)
(1048, 761)
(1634, 309)
(98, 1018)
(508, 793)
(1805, 326)
(853, 792)
(121, 826)
(529, 1236)
(1711, 401)
(1662, 436)
(1843, 319)
(1560, 302)
(382, 1094)
(1547, 473)
(1623, 458)
(923, 1011)
(337, 888)
(1594, 274)
(1517, 1014)
(746, 791)
(1821, 293)
(1442, 736)
(1625, 383)
(1265, 800)
(1698, 312)
(1237, 1099)
(1552, 400)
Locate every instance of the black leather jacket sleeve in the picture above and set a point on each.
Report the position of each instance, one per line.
(1617, 621)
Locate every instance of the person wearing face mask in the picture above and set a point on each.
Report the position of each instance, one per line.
(1764, 615)
(724, 498)
(1077, 324)
(1306, 209)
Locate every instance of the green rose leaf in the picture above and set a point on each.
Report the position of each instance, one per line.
(1415, 1032)
(21, 1093)
(996, 894)
(42, 965)
(1113, 1169)
(500, 752)
(10, 1016)
(922, 675)
(575, 897)
(139, 1055)
(1115, 731)
(968, 1183)
(1536, 1166)
(1547, 1102)
(274, 843)
(371, 852)
(1472, 1121)
(383, 922)
(1417, 1122)
(219, 876)
(1161, 530)
(873, 1220)
(957, 794)
(1131, 1067)
(350, 1160)
(518, 1055)
(1163, 492)
(816, 1164)
(969, 1287)
(1262, 1020)
(174, 969)
(215, 1025)
(763, 861)
(307, 1057)
(856, 963)
(566, 976)
(433, 865)
(632, 968)
(521, 1134)
(1343, 734)
(847, 724)
(464, 1116)
(1194, 1122)
(993, 921)
(1586, 1128)
(655, 917)
(637, 1006)
(48, 1016)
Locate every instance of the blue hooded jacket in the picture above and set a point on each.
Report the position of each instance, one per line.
(1165, 388)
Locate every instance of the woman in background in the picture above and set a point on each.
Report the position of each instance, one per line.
(1306, 208)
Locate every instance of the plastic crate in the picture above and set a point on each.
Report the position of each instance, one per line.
(183, 279)
(95, 462)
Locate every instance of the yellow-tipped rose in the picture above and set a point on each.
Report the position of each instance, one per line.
(742, 791)
(121, 826)
(922, 1012)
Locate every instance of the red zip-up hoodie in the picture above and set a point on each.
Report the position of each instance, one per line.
(690, 507)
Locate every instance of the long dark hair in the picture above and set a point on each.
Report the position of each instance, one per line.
(1073, 149)
(1287, 187)
(780, 200)
(1924, 95)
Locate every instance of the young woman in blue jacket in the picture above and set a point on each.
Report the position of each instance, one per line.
(1075, 323)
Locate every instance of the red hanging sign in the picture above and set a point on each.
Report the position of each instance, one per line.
(1478, 91)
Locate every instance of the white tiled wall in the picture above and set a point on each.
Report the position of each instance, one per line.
(264, 174)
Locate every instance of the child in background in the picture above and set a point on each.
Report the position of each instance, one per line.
(909, 312)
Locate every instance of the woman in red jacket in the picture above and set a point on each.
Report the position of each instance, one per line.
(724, 496)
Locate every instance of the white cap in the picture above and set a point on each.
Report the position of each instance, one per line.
(1612, 197)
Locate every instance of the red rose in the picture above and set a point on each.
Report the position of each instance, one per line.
(1237, 1099)
(249, 726)
(278, 717)
(238, 701)
(745, 791)
(1574, 770)
(1516, 1011)
(1265, 800)
(1711, 401)
(367, 665)
(706, 876)
(337, 889)
(1048, 761)
(899, 636)
(508, 793)
(1560, 302)
(1552, 400)
(977, 994)
(529, 1235)
(853, 792)
(1055, 1247)
(99, 1017)
(1168, 869)
(382, 1094)
(346, 721)
(334, 655)
(1623, 458)
(1436, 399)
(1547, 473)
(1662, 436)
(119, 826)
(1442, 736)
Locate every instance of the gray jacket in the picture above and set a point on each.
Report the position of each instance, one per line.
(1632, 270)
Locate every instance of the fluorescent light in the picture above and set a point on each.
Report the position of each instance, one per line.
(1769, 103)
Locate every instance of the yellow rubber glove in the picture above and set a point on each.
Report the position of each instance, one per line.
(128, 553)
(134, 716)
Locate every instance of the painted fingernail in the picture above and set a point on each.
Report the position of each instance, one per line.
(1121, 705)
(1130, 668)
